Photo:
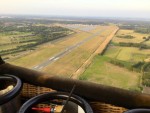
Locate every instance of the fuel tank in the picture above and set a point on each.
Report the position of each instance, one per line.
(10, 87)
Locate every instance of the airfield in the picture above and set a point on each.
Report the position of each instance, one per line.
(63, 57)
(84, 55)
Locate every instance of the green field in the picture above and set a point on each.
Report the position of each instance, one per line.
(138, 37)
(100, 71)
(67, 65)
(103, 72)
(119, 74)
(11, 40)
(38, 55)
(16, 40)
(130, 54)
(7, 37)
(71, 62)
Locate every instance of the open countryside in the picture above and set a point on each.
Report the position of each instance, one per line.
(99, 52)
(123, 60)
(72, 51)
(75, 56)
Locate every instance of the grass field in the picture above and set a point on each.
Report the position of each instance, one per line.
(101, 71)
(138, 36)
(130, 54)
(104, 72)
(71, 62)
(147, 42)
(38, 55)
(16, 41)
(45, 51)
(7, 38)
(73, 39)
(67, 65)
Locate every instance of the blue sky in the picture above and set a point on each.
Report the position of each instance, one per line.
(96, 8)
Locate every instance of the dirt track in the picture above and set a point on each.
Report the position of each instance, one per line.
(99, 50)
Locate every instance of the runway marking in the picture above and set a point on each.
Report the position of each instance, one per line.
(61, 54)
(51, 58)
(41, 67)
(56, 58)
(36, 66)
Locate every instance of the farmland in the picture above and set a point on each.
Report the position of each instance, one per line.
(131, 54)
(15, 40)
(137, 54)
(115, 66)
(98, 53)
(138, 37)
(73, 60)
(103, 72)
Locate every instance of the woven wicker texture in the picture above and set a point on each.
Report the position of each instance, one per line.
(30, 91)
(106, 108)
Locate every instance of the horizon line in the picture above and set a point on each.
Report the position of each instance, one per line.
(77, 16)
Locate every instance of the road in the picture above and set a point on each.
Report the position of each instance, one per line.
(64, 52)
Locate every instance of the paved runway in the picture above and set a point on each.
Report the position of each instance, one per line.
(63, 53)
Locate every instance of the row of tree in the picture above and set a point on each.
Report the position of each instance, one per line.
(126, 36)
(131, 44)
(40, 35)
(145, 29)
